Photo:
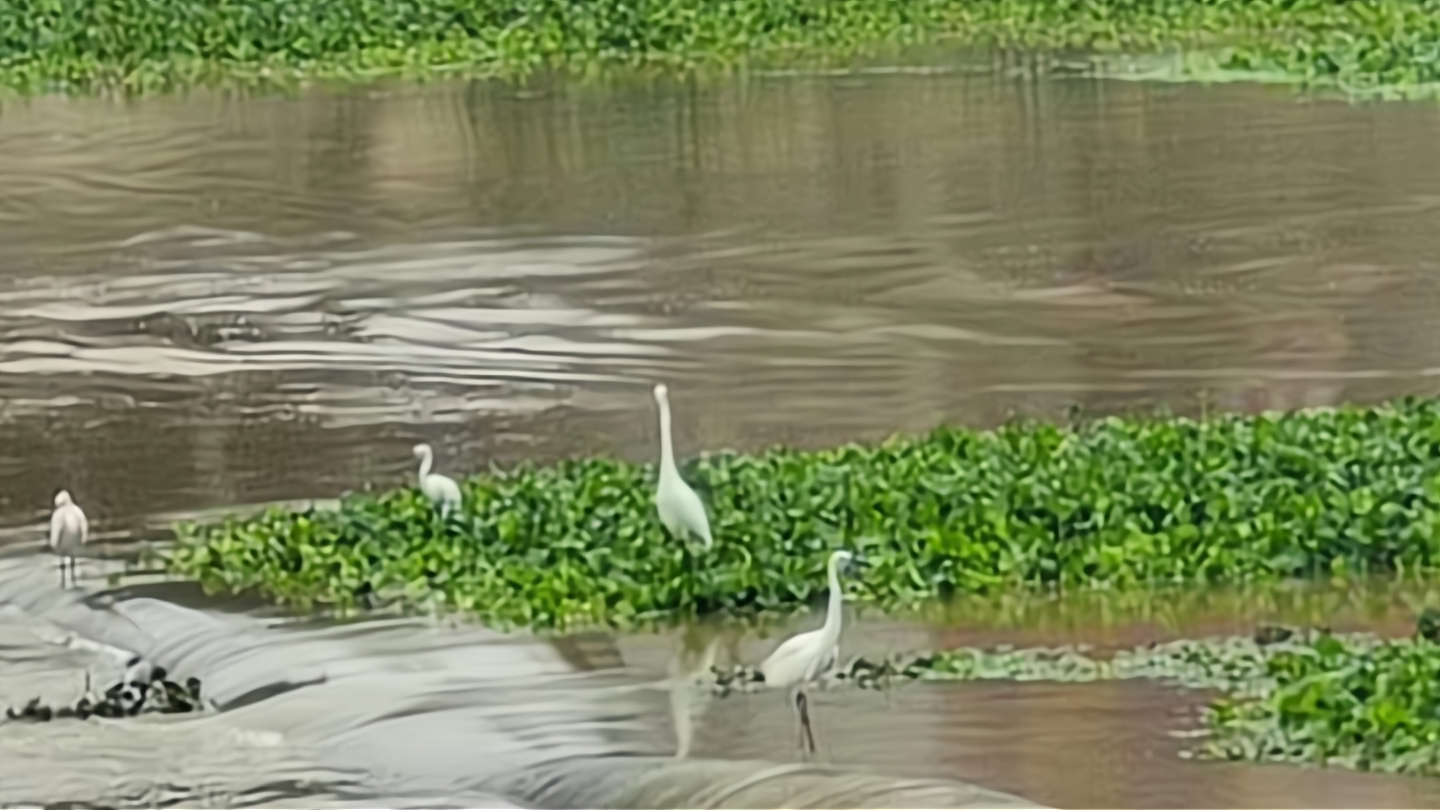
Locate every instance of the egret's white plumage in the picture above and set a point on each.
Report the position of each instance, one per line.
(681, 510)
(803, 658)
(441, 490)
(68, 532)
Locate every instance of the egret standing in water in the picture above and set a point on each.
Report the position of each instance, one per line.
(441, 490)
(68, 532)
(681, 510)
(802, 659)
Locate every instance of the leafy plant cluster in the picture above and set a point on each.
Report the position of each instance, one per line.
(1359, 703)
(147, 43)
(1112, 502)
(1357, 44)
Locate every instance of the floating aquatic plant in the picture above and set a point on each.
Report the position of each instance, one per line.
(1114, 502)
(141, 44)
(1358, 702)
(1232, 664)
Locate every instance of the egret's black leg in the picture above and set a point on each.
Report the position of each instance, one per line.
(797, 698)
(73, 567)
(799, 724)
(802, 704)
(61, 558)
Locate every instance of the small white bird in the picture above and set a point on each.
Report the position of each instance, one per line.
(441, 490)
(803, 658)
(681, 510)
(68, 532)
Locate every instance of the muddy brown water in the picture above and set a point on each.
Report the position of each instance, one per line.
(216, 300)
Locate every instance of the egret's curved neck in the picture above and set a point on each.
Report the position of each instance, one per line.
(667, 448)
(427, 460)
(837, 599)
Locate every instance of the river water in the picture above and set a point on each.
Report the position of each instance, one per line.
(215, 300)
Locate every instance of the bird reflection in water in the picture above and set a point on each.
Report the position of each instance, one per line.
(692, 684)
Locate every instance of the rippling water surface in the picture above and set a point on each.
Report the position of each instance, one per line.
(214, 301)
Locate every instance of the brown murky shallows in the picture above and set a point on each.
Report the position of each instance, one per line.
(1116, 744)
(213, 301)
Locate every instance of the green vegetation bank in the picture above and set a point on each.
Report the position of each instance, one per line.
(1113, 502)
(78, 44)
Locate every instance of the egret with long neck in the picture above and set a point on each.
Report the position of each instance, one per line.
(441, 490)
(803, 658)
(681, 510)
(68, 532)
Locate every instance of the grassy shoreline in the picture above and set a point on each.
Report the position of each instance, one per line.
(135, 45)
(1114, 503)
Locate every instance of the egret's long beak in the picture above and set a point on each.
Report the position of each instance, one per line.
(859, 562)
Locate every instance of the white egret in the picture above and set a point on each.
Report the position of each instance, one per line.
(441, 490)
(803, 658)
(681, 510)
(68, 532)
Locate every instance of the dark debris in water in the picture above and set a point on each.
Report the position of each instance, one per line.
(153, 693)
(1267, 634)
(1427, 626)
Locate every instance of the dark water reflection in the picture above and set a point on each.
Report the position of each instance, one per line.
(214, 301)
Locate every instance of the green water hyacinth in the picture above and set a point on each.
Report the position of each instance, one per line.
(1354, 702)
(160, 44)
(1113, 502)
